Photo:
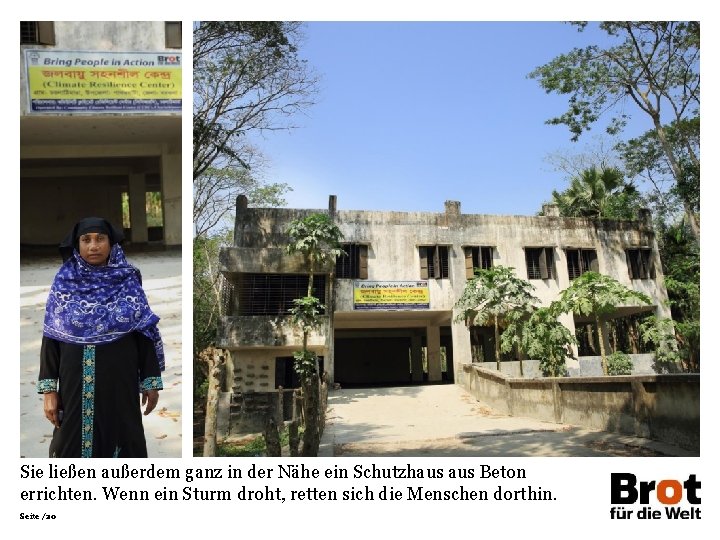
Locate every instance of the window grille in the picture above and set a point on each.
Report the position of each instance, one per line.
(580, 261)
(37, 33)
(640, 263)
(270, 294)
(540, 263)
(477, 257)
(434, 262)
(352, 265)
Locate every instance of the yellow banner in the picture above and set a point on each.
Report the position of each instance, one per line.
(60, 81)
(391, 295)
(120, 83)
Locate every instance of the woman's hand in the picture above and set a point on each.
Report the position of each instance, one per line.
(150, 399)
(51, 406)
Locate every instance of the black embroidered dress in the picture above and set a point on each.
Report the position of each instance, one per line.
(99, 395)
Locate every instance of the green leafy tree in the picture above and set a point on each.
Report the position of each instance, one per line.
(597, 296)
(652, 67)
(490, 296)
(680, 255)
(317, 238)
(598, 193)
(644, 158)
(660, 333)
(541, 336)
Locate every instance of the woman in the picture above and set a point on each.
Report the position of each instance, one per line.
(100, 349)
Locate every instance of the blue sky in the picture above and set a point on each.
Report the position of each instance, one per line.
(412, 114)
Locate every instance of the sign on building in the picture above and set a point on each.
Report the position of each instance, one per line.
(390, 295)
(100, 81)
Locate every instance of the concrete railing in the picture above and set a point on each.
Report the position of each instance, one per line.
(661, 407)
(266, 331)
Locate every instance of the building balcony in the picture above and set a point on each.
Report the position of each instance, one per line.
(267, 331)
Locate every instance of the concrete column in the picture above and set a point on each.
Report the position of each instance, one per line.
(433, 352)
(330, 337)
(171, 172)
(462, 353)
(416, 358)
(138, 212)
(567, 320)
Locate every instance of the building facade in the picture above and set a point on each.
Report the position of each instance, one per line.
(100, 128)
(389, 316)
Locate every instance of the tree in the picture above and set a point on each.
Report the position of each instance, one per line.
(645, 158)
(207, 301)
(680, 255)
(540, 336)
(654, 66)
(247, 78)
(598, 296)
(598, 193)
(317, 238)
(491, 295)
(215, 192)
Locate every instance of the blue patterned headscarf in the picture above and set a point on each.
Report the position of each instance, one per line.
(92, 305)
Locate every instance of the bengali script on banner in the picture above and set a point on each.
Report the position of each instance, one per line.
(391, 295)
(96, 82)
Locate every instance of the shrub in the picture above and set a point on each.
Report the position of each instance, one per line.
(619, 363)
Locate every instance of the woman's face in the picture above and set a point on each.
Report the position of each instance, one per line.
(94, 248)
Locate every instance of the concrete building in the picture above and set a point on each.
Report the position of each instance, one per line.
(100, 128)
(390, 301)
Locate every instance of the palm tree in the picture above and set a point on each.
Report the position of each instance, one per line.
(597, 193)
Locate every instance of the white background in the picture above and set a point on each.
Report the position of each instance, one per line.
(580, 485)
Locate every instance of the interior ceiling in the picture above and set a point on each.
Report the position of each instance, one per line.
(100, 130)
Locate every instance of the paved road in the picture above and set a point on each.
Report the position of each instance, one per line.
(443, 420)
(162, 282)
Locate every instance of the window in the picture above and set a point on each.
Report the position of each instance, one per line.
(540, 263)
(477, 257)
(173, 35)
(580, 261)
(434, 262)
(270, 294)
(352, 265)
(640, 263)
(37, 33)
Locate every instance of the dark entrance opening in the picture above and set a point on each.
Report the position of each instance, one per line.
(387, 356)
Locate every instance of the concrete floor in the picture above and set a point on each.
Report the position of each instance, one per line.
(161, 273)
(443, 420)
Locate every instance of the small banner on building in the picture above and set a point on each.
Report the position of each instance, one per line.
(97, 82)
(391, 295)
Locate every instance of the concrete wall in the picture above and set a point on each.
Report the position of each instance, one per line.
(660, 407)
(266, 331)
(394, 237)
(585, 366)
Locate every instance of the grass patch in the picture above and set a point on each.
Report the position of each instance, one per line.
(254, 448)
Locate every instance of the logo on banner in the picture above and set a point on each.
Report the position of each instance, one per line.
(633, 498)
